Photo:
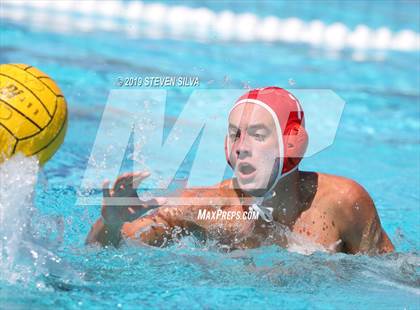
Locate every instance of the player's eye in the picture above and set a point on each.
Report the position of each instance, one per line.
(259, 137)
(234, 135)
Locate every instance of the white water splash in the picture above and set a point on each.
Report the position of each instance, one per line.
(17, 182)
(304, 246)
(26, 252)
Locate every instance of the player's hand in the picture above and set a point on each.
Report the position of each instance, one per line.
(122, 204)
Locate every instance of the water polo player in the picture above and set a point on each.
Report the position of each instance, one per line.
(264, 145)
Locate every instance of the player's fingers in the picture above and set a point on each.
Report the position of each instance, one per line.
(126, 180)
(130, 180)
(121, 182)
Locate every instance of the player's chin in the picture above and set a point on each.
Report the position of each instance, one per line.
(250, 186)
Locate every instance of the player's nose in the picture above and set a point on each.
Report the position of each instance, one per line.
(243, 147)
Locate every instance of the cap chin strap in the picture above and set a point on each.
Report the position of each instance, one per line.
(266, 213)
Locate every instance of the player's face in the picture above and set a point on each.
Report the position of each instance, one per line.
(253, 146)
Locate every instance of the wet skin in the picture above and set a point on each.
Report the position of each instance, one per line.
(331, 211)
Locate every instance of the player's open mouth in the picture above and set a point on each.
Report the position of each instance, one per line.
(246, 170)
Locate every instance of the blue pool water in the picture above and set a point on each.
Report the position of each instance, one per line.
(377, 144)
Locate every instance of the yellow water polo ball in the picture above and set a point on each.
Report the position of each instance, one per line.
(33, 113)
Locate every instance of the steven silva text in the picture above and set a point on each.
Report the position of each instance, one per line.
(158, 81)
(219, 214)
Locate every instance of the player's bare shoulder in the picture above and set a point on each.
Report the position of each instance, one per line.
(340, 185)
(343, 190)
(345, 198)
